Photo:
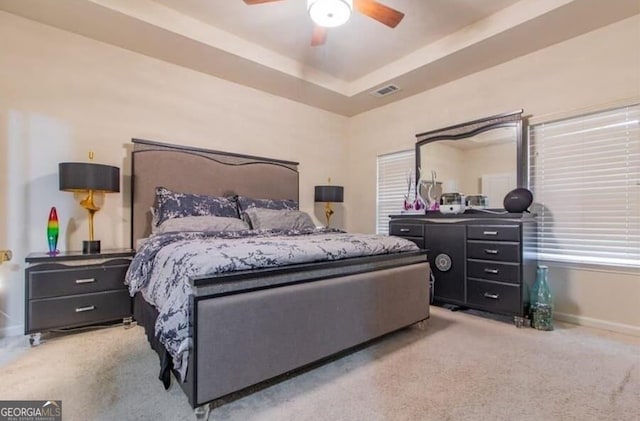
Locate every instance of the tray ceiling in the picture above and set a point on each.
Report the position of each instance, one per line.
(267, 47)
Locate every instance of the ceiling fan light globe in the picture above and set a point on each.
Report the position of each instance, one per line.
(330, 13)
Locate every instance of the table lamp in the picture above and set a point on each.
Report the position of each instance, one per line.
(329, 194)
(90, 178)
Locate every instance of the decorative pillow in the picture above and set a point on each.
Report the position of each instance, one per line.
(246, 203)
(154, 220)
(279, 219)
(202, 223)
(170, 204)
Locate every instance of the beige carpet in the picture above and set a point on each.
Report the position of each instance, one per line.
(461, 367)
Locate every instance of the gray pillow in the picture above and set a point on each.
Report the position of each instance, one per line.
(202, 223)
(261, 218)
(170, 204)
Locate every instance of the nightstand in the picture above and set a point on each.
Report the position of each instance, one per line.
(72, 289)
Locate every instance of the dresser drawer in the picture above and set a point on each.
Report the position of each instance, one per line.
(407, 230)
(493, 232)
(78, 310)
(494, 296)
(494, 271)
(486, 250)
(72, 281)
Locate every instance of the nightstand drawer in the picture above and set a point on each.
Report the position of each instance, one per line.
(493, 232)
(78, 310)
(494, 296)
(485, 250)
(494, 271)
(406, 230)
(72, 281)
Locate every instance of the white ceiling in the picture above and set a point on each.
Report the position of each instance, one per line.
(267, 46)
(353, 50)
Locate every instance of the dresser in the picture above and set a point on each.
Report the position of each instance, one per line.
(479, 260)
(73, 289)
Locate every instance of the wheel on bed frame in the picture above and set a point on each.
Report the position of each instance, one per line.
(202, 412)
(35, 339)
(422, 324)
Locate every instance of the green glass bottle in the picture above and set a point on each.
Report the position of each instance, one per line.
(542, 301)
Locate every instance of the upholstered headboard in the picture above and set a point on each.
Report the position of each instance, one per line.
(202, 171)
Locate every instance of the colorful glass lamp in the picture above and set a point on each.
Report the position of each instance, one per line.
(53, 229)
(89, 178)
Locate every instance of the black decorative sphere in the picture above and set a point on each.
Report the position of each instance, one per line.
(518, 200)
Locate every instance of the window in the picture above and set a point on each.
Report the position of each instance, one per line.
(393, 170)
(585, 175)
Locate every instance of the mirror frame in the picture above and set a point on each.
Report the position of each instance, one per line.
(472, 128)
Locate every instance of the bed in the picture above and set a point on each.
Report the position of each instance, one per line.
(252, 326)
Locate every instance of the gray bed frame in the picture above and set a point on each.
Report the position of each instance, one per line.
(253, 326)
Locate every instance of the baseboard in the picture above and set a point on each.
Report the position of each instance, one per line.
(598, 324)
(16, 330)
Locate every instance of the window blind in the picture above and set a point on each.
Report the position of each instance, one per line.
(393, 170)
(584, 173)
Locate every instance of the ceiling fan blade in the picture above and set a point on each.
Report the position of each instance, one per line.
(378, 11)
(250, 2)
(319, 35)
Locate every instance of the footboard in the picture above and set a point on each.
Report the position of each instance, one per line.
(241, 339)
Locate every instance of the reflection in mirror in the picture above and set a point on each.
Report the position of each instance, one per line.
(484, 164)
(482, 157)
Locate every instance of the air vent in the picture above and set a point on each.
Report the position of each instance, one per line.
(385, 90)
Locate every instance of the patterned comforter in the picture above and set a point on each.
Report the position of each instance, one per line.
(162, 267)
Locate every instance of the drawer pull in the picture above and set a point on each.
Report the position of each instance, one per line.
(85, 281)
(492, 296)
(83, 309)
(493, 271)
(491, 251)
(490, 232)
(404, 230)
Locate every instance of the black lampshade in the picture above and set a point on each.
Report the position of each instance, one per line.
(75, 176)
(333, 194)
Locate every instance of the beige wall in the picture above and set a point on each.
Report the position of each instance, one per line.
(62, 95)
(595, 68)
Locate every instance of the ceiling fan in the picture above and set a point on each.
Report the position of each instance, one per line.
(331, 13)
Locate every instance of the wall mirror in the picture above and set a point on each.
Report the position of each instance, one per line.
(481, 157)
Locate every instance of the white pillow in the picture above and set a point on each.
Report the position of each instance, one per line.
(140, 242)
(202, 223)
